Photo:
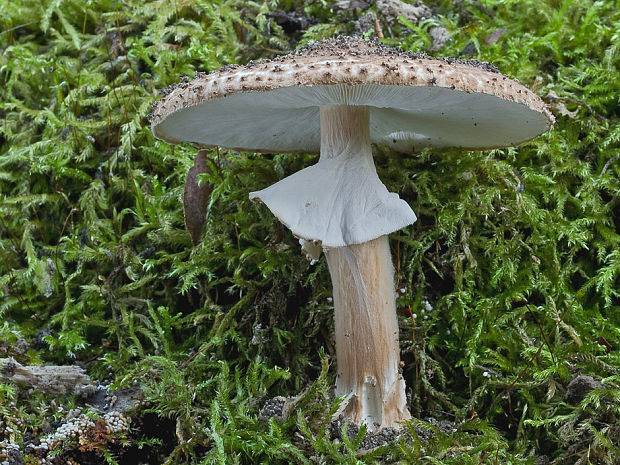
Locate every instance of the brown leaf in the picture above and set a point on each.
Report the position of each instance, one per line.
(196, 197)
(494, 36)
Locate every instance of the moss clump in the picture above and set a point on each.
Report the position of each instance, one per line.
(509, 278)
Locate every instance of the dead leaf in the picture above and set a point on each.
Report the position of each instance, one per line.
(557, 103)
(494, 36)
(196, 197)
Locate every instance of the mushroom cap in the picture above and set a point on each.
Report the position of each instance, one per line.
(414, 101)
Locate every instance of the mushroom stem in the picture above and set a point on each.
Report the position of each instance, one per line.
(366, 329)
(366, 326)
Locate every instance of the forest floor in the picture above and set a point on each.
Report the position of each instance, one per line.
(124, 340)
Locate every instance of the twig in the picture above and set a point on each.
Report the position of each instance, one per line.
(64, 226)
(193, 356)
(484, 9)
(541, 331)
(48, 379)
(597, 115)
(609, 162)
(519, 376)
(18, 27)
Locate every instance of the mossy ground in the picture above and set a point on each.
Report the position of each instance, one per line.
(510, 277)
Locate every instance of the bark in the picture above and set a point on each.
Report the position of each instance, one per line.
(48, 379)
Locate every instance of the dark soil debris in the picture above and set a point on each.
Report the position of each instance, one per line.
(579, 387)
(371, 440)
(291, 22)
(273, 408)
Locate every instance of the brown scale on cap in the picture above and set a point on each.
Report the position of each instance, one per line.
(345, 60)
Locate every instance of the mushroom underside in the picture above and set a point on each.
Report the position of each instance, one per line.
(403, 118)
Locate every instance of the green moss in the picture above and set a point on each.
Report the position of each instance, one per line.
(512, 269)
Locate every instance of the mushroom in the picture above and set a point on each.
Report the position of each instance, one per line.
(337, 97)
